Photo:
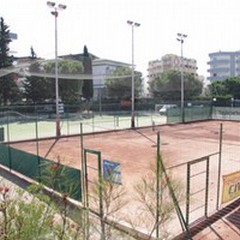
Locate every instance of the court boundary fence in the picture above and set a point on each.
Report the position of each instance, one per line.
(61, 178)
(161, 170)
(10, 158)
(23, 123)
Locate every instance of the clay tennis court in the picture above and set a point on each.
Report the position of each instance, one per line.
(136, 151)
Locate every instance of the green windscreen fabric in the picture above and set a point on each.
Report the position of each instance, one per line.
(5, 154)
(194, 113)
(62, 179)
(24, 163)
(174, 115)
(197, 113)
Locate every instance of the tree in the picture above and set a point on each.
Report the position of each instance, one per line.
(33, 54)
(167, 86)
(119, 83)
(36, 89)
(228, 87)
(157, 205)
(87, 90)
(70, 89)
(32, 214)
(113, 200)
(9, 91)
(5, 59)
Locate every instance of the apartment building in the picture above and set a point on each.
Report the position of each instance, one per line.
(171, 62)
(101, 69)
(223, 65)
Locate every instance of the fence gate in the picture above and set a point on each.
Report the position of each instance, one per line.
(198, 187)
(93, 179)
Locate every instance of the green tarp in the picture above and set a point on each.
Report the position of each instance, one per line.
(61, 178)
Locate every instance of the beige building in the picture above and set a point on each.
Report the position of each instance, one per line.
(171, 62)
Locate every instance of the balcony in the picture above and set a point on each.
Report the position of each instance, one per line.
(218, 61)
(219, 70)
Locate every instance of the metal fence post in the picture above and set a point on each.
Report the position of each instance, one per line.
(8, 139)
(207, 187)
(188, 193)
(219, 164)
(100, 189)
(37, 146)
(82, 166)
(93, 128)
(158, 185)
(137, 118)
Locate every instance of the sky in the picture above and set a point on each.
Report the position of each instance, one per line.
(101, 25)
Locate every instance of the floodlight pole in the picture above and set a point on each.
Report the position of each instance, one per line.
(133, 24)
(180, 38)
(55, 14)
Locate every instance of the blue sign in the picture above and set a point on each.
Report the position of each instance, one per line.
(112, 171)
(13, 36)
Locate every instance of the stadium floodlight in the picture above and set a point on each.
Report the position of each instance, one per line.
(51, 4)
(55, 14)
(133, 24)
(62, 7)
(180, 38)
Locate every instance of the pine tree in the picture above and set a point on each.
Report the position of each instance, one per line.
(87, 89)
(5, 59)
(36, 89)
(9, 91)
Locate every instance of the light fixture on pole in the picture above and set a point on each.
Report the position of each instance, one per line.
(56, 8)
(180, 38)
(133, 24)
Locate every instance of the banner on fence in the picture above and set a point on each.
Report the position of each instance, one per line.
(231, 187)
(112, 171)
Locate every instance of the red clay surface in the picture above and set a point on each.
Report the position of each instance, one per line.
(136, 151)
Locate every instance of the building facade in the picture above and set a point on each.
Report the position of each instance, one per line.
(101, 68)
(223, 65)
(171, 62)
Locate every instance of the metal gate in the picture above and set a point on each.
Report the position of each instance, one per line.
(89, 181)
(202, 190)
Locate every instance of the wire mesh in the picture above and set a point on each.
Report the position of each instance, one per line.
(180, 144)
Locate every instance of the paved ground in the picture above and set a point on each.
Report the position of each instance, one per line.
(227, 227)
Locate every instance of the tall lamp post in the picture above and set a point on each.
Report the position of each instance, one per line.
(56, 9)
(181, 38)
(133, 24)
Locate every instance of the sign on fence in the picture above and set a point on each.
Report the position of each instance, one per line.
(231, 186)
(112, 171)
